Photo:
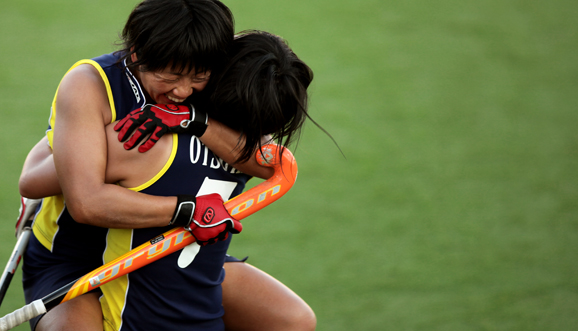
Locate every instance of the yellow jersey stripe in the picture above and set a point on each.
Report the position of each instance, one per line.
(119, 241)
(163, 170)
(46, 224)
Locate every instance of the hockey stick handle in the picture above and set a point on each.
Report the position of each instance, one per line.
(10, 269)
(171, 241)
(24, 314)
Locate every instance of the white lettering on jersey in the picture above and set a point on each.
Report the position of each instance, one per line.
(224, 189)
(200, 152)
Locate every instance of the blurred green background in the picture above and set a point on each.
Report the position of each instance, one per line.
(456, 204)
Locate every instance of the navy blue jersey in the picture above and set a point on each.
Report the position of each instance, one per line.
(182, 290)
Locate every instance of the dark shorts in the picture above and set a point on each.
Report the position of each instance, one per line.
(44, 273)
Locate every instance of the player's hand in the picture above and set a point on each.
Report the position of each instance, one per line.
(210, 221)
(156, 120)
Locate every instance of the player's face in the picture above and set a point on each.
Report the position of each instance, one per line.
(169, 87)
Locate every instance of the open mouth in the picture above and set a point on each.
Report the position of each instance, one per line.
(173, 99)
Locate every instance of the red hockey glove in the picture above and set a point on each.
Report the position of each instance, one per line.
(206, 217)
(157, 120)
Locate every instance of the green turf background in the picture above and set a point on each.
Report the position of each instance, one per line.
(456, 204)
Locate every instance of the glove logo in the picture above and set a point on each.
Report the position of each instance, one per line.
(208, 215)
(172, 107)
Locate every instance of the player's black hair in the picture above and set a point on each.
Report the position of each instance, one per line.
(262, 90)
(180, 34)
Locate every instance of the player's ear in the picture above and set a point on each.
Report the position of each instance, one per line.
(133, 57)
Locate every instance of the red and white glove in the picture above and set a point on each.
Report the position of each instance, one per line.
(157, 120)
(206, 217)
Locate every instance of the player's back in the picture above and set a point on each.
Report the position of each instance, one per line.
(182, 290)
(130, 168)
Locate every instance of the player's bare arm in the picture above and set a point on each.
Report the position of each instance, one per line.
(80, 157)
(227, 143)
(38, 178)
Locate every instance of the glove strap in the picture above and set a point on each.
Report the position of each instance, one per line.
(199, 122)
(184, 211)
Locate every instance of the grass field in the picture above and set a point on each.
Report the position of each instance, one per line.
(456, 204)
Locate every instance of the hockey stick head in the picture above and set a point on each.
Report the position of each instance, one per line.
(255, 199)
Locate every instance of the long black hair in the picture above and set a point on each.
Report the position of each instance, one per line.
(262, 90)
(180, 34)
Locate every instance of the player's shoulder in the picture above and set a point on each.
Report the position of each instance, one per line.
(131, 168)
(92, 70)
(84, 74)
(83, 84)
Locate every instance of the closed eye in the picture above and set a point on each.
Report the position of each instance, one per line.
(200, 80)
(166, 79)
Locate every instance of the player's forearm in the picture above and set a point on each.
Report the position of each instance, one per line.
(112, 206)
(225, 143)
(101, 204)
(38, 178)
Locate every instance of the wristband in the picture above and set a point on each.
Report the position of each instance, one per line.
(183, 215)
(197, 125)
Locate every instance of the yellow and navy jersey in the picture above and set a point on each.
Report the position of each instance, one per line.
(183, 290)
(124, 95)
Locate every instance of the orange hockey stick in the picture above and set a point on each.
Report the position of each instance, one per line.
(171, 241)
